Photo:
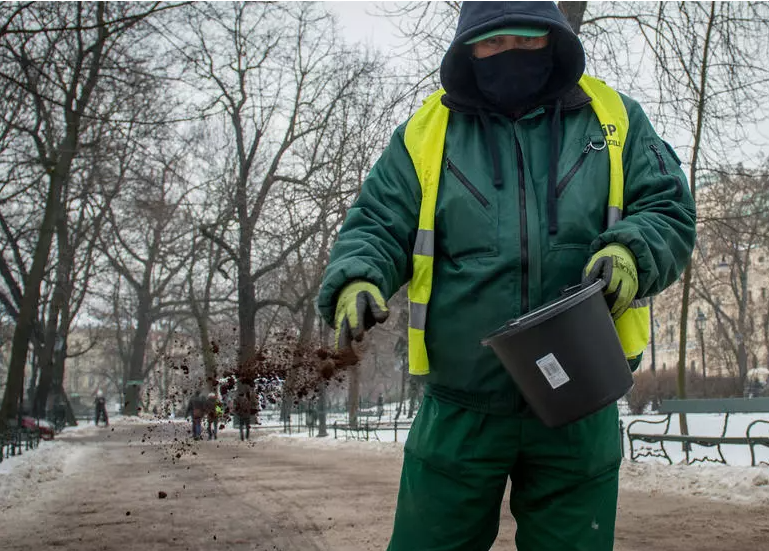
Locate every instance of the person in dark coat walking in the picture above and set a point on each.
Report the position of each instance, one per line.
(244, 406)
(100, 408)
(196, 409)
(214, 412)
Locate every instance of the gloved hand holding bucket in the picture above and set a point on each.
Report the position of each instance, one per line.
(566, 357)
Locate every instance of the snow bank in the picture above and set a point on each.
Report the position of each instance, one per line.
(717, 482)
(21, 476)
(303, 440)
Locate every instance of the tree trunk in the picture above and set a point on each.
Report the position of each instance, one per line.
(46, 358)
(305, 337)
(54, 351)
(353, 395)
(246, 299)
(686, 291)
(413, 393)
(742, 361)
(322, 392)
(574, 12)
(70, 415)
(402, 400)
(136, 366)
(209, 361)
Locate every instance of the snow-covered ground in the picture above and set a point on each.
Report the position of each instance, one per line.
(717, 482)
(21, 475)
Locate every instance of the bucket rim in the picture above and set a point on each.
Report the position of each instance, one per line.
(546, 311)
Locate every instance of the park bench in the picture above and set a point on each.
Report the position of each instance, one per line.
(725, 406)
(362, 431)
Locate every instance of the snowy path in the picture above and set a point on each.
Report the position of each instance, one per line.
(281, 494)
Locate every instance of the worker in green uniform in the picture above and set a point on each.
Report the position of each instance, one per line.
(496, 195)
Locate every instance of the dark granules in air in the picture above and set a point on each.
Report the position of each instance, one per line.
(282, 369)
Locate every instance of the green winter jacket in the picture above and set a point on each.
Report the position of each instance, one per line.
(496, 256)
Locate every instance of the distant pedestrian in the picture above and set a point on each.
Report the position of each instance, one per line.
(214, 412)
(100, 407)
(244, 405)
(196, 409)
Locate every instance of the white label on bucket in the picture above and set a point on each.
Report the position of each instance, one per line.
(552, 371)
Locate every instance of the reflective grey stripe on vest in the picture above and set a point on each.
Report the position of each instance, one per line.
(425, 243)
(417, 315)
(615, 215)
(640, 303)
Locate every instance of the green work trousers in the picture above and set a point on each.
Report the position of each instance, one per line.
(455, 469)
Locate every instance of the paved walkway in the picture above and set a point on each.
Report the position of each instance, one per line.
(286, 495)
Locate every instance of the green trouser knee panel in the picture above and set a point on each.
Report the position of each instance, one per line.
(455, 469)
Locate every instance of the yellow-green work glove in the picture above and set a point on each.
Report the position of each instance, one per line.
(616, 266)
(359, 307)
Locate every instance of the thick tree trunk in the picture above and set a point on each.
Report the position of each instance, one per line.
(136, 366)
(46, 358)
(209, 359)
(54, 350)
(246, 296)
(574, 12)
(63, 298)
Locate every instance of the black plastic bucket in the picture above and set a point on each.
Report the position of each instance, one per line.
(565, 357)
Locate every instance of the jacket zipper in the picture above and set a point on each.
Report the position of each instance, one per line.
(664, 169)
(524, 230)
(465, 182)
(573, 170)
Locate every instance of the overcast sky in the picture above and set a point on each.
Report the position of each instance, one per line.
(358, 26)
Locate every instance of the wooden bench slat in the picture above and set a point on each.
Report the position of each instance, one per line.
(716, 405)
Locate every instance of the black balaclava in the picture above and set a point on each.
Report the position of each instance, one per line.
(476, 18)
(513, 79)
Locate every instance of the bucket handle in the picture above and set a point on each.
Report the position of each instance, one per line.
(580, 286)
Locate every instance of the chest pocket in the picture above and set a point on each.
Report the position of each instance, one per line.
(466, 214)
(582, 193)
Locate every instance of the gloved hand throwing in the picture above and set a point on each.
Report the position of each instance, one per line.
(360, 306)
(616, 266)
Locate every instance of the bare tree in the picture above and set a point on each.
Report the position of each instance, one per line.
(277, 74)
(146, 244)
(55, 56)
(730, 254)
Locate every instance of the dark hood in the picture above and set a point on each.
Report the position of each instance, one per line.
(476, 18)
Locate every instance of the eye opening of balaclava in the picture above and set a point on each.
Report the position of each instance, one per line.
(514, 79)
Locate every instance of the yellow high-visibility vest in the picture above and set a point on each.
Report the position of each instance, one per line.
(425, 137)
